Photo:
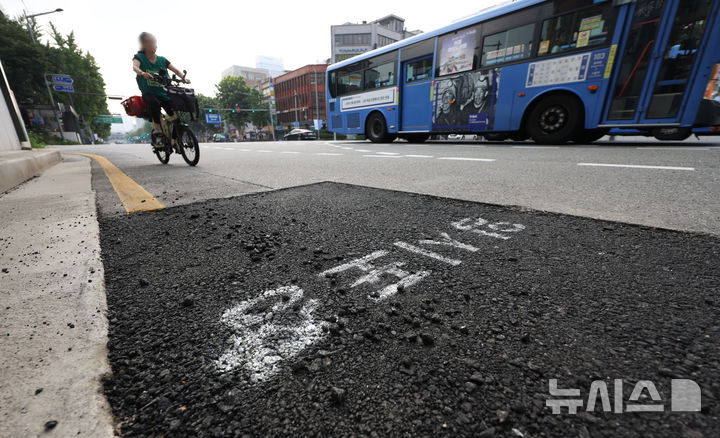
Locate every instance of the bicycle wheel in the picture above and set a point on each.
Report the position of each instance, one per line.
(189, 147)
(163, 154)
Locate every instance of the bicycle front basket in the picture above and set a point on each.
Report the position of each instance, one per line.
(183, 99)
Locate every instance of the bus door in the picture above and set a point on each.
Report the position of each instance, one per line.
(415, 95)
(659, 58)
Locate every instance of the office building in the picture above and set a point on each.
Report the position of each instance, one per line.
(275, 66)
(300, 97)
(253, 76)
(352, 39)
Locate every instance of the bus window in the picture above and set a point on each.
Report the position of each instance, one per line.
(349, 82)
(511, 45)
(585, 28)
(418, 70)
(380, 76)
(333, 84)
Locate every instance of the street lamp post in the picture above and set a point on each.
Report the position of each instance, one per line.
(297, 121)
(28, 17)
(317, 107)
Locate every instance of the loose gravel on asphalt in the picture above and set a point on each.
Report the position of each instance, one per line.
(336, 310)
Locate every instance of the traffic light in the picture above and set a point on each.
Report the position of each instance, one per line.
(210, 110)
(253, 111)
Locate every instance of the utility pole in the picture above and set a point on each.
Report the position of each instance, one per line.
(54, 107)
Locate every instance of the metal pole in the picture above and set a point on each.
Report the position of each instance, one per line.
(27, 21)
(72, 105)
(272, 122)
(296, 108)
(317, 108)
(52, 102)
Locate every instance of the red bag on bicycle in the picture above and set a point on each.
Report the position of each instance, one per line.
(135, 106)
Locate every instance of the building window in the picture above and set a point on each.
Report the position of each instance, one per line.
(384, 41)
(352, 39)
(507, 46)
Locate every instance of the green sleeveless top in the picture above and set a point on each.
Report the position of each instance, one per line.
(149, 86)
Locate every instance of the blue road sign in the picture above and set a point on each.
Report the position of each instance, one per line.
(64, 88)
(62, 79)
(213, 119)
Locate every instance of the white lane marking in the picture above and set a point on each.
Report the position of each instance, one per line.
(387, 153)
(264, 151)
(362, 263)
(244, 150)
(364, 151)
(426, 253)
(260, 345)
(535, 147)
(487, 160)
(674, 149)
(327, 154)
(290, 152)
(419, 156)
(382, 156)
(228, 149)
(347, 148)
(636, 166)
(496, 229)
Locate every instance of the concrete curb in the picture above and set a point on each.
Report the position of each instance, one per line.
(16, 167)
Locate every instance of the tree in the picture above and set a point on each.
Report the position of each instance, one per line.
(26, 63)
(232, 91)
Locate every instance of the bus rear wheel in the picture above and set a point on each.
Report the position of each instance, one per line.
(376, 129)
(555, 120)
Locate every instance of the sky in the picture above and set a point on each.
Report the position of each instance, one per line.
(207, 37)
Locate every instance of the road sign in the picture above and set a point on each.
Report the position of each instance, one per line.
(213, 119)
(114, 118)
(64, 88)
(62, 79)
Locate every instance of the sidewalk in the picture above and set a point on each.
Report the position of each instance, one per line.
(53, 327)
(16, 167)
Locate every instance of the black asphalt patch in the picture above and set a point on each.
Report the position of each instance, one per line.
(222, 322)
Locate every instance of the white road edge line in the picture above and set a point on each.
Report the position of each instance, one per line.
(535, 147)
(364, 151)
(290, 152)
(383, 156)
(327, 154)
(636, 166)
(419, 156)
(487, 160)
(674, 149)
(387, 153)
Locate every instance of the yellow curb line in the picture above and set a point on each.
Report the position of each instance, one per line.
(133, 196)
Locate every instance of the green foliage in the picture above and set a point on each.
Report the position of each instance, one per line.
(232, 91)
(146, 128)
(26, 62)
(40, 139)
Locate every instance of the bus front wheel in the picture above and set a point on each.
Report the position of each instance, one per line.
(376, 129)
(555, 120)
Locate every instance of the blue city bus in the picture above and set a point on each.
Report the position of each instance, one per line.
(554, 71)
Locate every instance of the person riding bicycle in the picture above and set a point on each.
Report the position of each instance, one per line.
(146, 64)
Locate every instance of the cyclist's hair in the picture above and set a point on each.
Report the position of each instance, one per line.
(141, 39)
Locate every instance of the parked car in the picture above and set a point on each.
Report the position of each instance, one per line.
(300, 134)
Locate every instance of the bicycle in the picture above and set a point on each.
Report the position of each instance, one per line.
(176, 133)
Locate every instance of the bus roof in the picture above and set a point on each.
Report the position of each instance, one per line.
(483, 15)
